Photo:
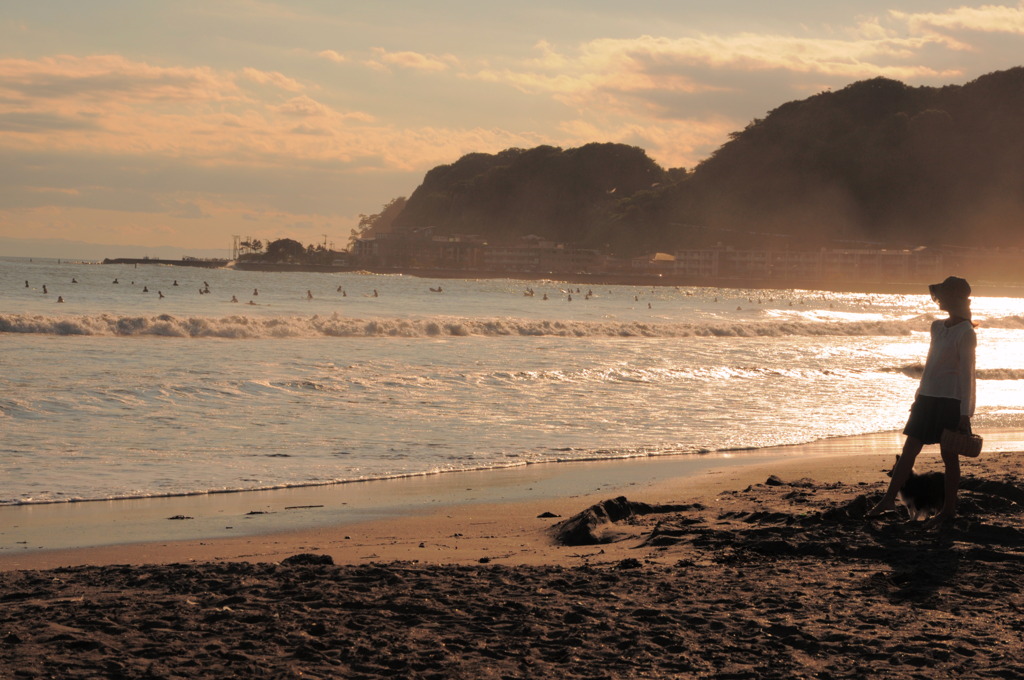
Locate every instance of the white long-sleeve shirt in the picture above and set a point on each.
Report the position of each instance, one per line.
(949, 370)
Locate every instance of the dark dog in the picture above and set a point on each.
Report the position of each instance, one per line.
(923, 495)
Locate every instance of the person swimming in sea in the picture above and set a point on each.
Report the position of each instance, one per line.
(234, 299)
(60, 299)
(44, 289)
(160, 293)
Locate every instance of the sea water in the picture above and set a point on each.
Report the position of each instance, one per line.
(317, 378)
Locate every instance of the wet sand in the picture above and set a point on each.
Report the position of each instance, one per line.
(753, 571)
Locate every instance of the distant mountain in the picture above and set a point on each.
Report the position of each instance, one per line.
(877, 162)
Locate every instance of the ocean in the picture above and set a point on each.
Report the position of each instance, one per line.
(135, 387)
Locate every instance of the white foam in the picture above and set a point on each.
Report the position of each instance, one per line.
(240, 327)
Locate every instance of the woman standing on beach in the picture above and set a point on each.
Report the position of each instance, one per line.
(945, 397)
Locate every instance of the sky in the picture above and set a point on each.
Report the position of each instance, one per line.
(183, 124)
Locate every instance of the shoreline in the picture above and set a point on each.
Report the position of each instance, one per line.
(301, 487)
(269, 525)
(251, 513)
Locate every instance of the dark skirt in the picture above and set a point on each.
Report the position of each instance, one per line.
(929, 416)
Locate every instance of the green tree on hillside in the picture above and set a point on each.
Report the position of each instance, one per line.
(378, 223)
(285, 250)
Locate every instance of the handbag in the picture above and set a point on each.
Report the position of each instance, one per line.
(961, 443)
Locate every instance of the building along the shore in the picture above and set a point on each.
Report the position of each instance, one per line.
(727, 263)
(422, 249)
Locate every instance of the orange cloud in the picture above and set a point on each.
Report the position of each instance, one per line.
(331, 55)
(671, 143)
(637, 90)
(110, 104)
(412, 60)
(653, 63)
(102, 77)
(272, 78)
(304, 106)
(985, 19)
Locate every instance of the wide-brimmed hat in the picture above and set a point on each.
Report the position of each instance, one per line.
(953, 288)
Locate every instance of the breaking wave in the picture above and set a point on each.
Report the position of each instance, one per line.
(1001, 374)
(916, 370)
(1014, 321)
(252, 327)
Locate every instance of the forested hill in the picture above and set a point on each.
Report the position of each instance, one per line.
(567, 195)
(876, 162)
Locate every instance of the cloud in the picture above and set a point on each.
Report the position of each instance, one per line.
(331, 55)
(647, 63)
(116, 107)
(672, 143)
(93, 197)
(109, 195)
(650, 88)
(105, 77)
(984, 19)
(272, 78)
(304, 106)
(678, 97)
(111, 104)
(42, 122)
(304, 129)
(384, 59)
(188, 211)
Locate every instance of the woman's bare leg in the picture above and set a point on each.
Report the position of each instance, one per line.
(900, 474)
(952, 487)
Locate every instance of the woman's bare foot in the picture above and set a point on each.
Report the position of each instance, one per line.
(881, 508)
(938, 521)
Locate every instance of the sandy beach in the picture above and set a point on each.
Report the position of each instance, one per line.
(745, 568)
